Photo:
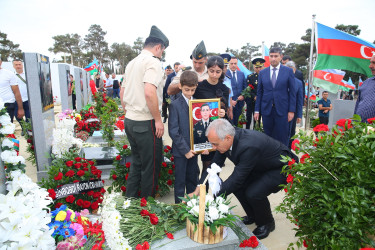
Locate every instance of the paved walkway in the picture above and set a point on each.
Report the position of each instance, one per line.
(277, 240)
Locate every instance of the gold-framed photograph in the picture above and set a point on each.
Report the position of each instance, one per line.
(201, 113)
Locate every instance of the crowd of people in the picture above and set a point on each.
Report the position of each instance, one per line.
(147, 93)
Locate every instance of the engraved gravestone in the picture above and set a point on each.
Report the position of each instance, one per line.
(66, 87)
(78, 77)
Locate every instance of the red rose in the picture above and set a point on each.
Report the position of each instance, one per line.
(77, 159)
(166, 150)
(371, 120)
(59, 176)
(70, 199)
(294, 147)
(305, 244)
(86, 204)
(114, 177)
(304, 157)
(164, 164)
(85, 164)
(97, 195)
(154, 219)
(125, 146)
(80, 173)
(128, 164)
(85, 169)
(123, 189)
(69, 163)
(94, 205)
(157, 187)
(80, 202)
(170, 171)
(70, 173)
(345, 123)
(143, 202)
(173, 166)
(91, 163)
(58, 204)
(144, 246)
(29, 141)
(32, 147)
(169, 235)
(169, 182)
(52, 193)
(90, 193)
(291, 162)
(102, 191)
(168, 147)
(126, 176)
(118, 157)
(93, 168)
(321, 127)
(144, 212)
(172, 158)
(290, 178)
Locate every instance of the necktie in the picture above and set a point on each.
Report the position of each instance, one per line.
(273, 79)
(205, 125)
(234, 76)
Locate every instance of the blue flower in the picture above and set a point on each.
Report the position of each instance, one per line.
(57, 210)
(67, 232)
(56, 225)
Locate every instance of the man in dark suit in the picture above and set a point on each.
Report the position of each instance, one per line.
(257, 171)
(297, 73)
(238, 82)
(276, 98)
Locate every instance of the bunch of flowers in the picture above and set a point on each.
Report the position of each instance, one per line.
(137, 223)
(120, 173)
(87, 121)
(248, 91)
(330, 192)
(83, 135)
(72, 230)
(71, 169)
(242, 119)
(24, 217)
(217, 213)
(6, 126)
(63, 138)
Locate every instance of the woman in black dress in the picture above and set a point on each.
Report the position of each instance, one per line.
(213, 87)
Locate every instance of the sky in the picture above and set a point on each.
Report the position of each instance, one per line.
(220, 24)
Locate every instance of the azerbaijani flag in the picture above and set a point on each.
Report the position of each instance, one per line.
(266, 56)
(241, 67)
(92, 65)
(360, 82)
(339, 50)
(346, 85)
(328, 79)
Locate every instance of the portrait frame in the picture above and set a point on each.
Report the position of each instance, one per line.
(198, 122)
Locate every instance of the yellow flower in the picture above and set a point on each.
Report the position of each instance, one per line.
(78, 116)
(84, 219)
(61, 216)
(73, 215)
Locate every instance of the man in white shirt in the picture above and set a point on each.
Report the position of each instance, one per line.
(108, 85)
(21, 80)
(10, 93)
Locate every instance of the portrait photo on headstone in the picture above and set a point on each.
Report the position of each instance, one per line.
(45, 83)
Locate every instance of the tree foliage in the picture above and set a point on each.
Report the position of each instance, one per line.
(95, 42)
(8, 49)
(68, 43)
(350, 29)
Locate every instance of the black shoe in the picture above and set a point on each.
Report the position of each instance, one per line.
(247, 221)
(262, 232)
(165, 119)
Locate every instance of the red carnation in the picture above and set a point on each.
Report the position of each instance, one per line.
(125, 146)
(128, 164)
(114, 177)
(304, 157)
(168, 147)
(170, 171)
(371, 120)
(80, 202)
(291, 162)
(305, 244)
(32, 147)
(294, 147)
(143, 202)
(69, 163)
(164, 164)
(321, 127)
(85, 164)
(58, 177)
(144, 246)
(80, 173)
(52, 193)
(126, 176)
(169, 182)
(97, 195)
(166, 150)
(58, 204)
(345, 123)
(169, 235)
(118, 157)
(173, 166)
(94, 205)
(123, 188)
(90, 193)
(70, 173)
(290, 178)
(86, 204)
(91, 163)
(70, 199)
(172, 158)
(75, 181)
(102, 191)
(77, 159)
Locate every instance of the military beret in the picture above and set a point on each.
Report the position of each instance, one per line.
(258, 62)
(199, 52)
(156, 33)
(226, 58)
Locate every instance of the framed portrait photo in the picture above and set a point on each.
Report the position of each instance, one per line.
(201, 113)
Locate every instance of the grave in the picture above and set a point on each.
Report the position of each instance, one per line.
(65, 87)
(78, 77)
(39, 88)
(340, 109)
(97, 138)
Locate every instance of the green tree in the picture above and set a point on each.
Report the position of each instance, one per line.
(247, 52)
(138, 46)
(68, 43)
(8, 48)
(95, 42)
(350, 29)
(122, 54)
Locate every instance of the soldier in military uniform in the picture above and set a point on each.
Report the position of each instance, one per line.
(252, 81)
(199, 129)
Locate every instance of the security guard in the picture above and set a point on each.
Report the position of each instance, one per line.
(252, 81)
(141, 98)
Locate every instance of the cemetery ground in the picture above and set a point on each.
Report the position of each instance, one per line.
(277, 240)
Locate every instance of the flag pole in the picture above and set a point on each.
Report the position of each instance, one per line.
(263, 52)
(308, 106)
